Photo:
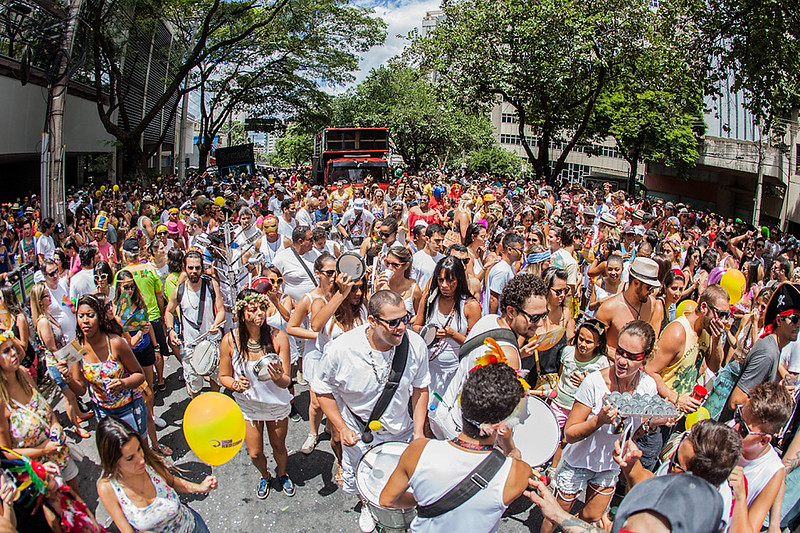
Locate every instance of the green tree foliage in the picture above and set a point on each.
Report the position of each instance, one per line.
(552, 60)
(428, 127)
(494, 160)
(293, 148)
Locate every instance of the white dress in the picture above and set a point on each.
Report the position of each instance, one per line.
(443, 354)
(263, 400)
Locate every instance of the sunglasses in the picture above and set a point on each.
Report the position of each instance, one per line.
(392, 264)
(51, 274)
(100, 277)
(127, 287)
(163, 233)
(276, 281)
(386, 235)
(630, 355)
(724, 315)
(534, 318)
(395, 322)
(794, 319)
(743, 428)
(328, 273)
(561, 292)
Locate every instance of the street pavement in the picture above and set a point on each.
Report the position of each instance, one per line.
(318, 505)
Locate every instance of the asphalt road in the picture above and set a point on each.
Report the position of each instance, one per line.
(318, 505)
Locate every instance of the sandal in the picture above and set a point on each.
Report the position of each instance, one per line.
(162, 386)
(83, 418)
(163, 449)
(82, 433)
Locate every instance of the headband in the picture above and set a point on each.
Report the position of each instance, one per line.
(250, 298)
(7, 335)
(539, 257)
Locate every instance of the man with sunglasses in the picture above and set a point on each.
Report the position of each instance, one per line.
(782, 323)
(354, 370)
(694, 337)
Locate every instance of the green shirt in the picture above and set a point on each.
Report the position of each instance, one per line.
(149, 285)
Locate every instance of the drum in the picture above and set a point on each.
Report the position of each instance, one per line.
(261, 284)
(205, 357)
(261, 367)
(538, 435)
(352, 264)
(372, 474)
(428, 334)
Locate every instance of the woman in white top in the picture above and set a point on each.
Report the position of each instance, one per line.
(261, 394)
(397, 277)
(137, 489)
(591, 429)
(450, 306)
(158, 258)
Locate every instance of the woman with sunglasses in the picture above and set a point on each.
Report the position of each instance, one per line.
(103, 275)
(51, 337)
(264, 400)
(158, 259)
(591, 428)
(131, 314)
(397, 277)
(544, 365)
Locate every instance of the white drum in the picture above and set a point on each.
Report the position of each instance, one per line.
(261, 367)
(372, 474)
(428, 334)
(538, 435)
(352, 264)
(205, 357)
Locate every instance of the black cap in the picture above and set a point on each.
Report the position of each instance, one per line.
(785, 298)
(131, 246)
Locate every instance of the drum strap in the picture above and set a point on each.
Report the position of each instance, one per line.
(355, 221)
(201, 305)
(305, 267)
(395, 375)
(498, 334)
(468, 487)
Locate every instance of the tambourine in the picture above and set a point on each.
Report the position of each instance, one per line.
(428, 334)
(261, 367)
(351, 264)
(261, 285)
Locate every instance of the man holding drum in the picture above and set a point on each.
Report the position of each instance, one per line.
(355, 370)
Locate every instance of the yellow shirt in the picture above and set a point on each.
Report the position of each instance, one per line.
(681, 376)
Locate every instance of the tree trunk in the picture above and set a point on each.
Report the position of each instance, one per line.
(203, 150)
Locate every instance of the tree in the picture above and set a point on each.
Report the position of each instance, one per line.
(278, 70)
(550, 59)
(428, 126)
(292, 148)
(494, 160)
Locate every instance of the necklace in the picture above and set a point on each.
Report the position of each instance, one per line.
(638, 311)
(253, 346)
(371, 362)
(472, 445)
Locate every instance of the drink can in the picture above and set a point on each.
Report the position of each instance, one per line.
(55, 435)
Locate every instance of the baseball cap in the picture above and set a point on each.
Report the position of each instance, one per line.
(131, 246)
(688, 503)
(358, 204)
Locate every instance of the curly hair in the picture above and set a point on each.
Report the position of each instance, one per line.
(490, 395)
(107, 325)
(520, 288)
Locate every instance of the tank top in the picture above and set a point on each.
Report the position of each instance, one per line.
(759, 472)
(58, 338)
(99, 374)
(333, 329)
(681, 375)
(165, 515)
(29, 426)
(262, 392)
(443, 354)
(269, 249)
(441, 466)
(190, 308)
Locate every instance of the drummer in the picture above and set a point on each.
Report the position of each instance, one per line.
(354, 371)
(431, 468)
(262, 396)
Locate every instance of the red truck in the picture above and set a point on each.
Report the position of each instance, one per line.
(355, 156)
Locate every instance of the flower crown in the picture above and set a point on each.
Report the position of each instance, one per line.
(6, 335)
(496, 356)
(247, 300)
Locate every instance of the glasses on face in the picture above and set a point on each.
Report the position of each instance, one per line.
(328, 273)
(724, 315)
(100, 277)
(674, 461)
(794, 319)
(128, 287)
(534, 318)
(395, 322)
(464, 260)
(386, 235)
(392, 264)
(163, 233)
(561, 292)
(742, 426)
(276, 281)
(622, 352)
(51, 274)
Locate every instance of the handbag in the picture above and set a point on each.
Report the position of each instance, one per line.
(544, 382)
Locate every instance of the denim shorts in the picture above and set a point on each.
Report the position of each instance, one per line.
(56, 376)
(572, 480)
(133, 413)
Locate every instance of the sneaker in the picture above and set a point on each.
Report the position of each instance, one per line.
(159, 422)
(309, 444)
(286, 485)
(263, 489)
(365, 520)
(300, 379)
(294, 415)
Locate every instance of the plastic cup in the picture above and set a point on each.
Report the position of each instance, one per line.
(699, 393)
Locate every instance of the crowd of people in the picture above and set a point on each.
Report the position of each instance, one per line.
(431, 310)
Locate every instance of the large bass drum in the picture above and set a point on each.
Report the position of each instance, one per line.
(372, 474)
(538, 435)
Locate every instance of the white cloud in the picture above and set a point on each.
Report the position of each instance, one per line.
(401, 16)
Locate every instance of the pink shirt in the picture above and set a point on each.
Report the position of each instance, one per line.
(107, 252)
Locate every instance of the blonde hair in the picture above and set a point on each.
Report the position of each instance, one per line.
(38, 292)
(5, 396)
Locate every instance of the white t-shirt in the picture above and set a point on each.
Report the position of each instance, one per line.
(274, 205)
(304, 218)
(790, 357)
(499, 275)
(361, 227)
(46, 247)
(563, 259)
(296, 280)
(82, 283)
(285, 229)
(347, 370)
(62, 313)
(422, 267)
(595, 451)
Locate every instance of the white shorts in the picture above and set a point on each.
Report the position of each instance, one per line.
(255, 411)
(195, 381)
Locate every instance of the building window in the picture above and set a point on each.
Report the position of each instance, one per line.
(508, 118)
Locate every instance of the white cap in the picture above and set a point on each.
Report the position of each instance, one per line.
(358, 204)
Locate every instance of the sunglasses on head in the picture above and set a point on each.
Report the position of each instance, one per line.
(622, 352)
(743, 428)
(395, 322)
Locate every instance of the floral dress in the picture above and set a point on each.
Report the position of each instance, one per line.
(100, 374)
(29, 426)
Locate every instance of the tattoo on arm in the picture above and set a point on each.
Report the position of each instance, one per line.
(793, 463)
(574, 524)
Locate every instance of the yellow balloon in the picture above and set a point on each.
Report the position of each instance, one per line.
(734, 283)
(116, 188)
(98, 193)
(103, 188)
(686, 306)
(693, 418)
(214, 427)
(219, 200)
